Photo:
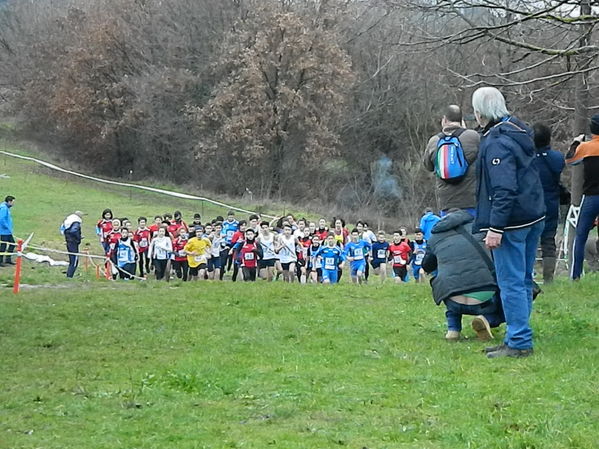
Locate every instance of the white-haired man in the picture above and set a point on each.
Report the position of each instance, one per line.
(510, 209)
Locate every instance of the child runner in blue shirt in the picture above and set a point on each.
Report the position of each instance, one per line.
(331, 258)
(380, 254)
(354, 253)
(418, 250)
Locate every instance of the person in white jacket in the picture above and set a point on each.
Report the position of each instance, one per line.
(161, 249)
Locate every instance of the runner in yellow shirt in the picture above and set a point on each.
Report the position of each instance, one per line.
(198, 252)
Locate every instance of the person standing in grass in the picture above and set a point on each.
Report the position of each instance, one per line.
(104, 228)
(463, 276)
(7, 240)
(399, 255)
(380, 254)
(418, 251)
(355, 252)
(331, 258)
(511, 210)
(198, 250)
(286, 247)
(142, 238)
(179, 260)
(266, 240)
(587, 154)
(71, 229)
(161, 249)
(125, 255)
(249, 253)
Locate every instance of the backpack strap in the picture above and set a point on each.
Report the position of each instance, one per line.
(486, 257)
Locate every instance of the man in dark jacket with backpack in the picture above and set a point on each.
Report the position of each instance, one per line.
(464, 277)
(457, 193)
(511, 210)
(71, 228)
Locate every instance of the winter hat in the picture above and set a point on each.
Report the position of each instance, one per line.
(595, 124)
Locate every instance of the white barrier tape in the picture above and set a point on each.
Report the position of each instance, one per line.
(57, 251)
(135, 186)
(45, 259)
(125, 272)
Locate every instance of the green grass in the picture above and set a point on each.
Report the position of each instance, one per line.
(216, 365)
(97, 364)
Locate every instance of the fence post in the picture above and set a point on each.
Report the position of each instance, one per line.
(17, 283)
(86, 260)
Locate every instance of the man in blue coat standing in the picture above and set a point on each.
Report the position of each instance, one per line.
(71, 227)
(550, 164)
(510, 210)
(7, 241)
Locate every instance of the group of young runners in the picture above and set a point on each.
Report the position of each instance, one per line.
(280, 249)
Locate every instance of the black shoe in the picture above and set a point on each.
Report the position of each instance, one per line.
(9, 262)
(493, 348)
(506, 351)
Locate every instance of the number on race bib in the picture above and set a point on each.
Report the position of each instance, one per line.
(381, 253)
(358, 256)
(329, 263)
(399, 260)
(143, 243)
(249, 256)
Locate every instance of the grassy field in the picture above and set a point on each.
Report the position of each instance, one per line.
(97, 364)
(223, 365)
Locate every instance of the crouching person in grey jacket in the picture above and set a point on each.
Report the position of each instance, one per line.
(464, 277)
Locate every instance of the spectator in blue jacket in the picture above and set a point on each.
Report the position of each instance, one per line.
(550, 164)
(428, 220)
(7, 241)
(71, 228)
(511, 210)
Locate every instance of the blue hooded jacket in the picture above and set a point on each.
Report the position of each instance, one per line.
(510, 194)
(550, 164)
(5, 219)
(427, 222)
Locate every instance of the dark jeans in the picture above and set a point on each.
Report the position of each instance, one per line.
(160, 268)
(589, 209)
(144, 263)
(127, 271)
(181, 268)
(491, 310)
(72, 247)
(6, 247)
(249, 274)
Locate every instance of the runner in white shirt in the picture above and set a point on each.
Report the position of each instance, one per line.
(286, 247)
(266, 240)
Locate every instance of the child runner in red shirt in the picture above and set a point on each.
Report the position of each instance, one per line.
(399, 253)
(142, 237)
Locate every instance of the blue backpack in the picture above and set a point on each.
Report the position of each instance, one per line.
(450, 163)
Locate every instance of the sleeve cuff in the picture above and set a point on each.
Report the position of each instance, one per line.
(495, 229)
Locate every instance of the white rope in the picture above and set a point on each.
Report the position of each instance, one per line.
(91, 256)
(134, 186)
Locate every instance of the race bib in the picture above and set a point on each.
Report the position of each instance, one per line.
(249, 256)
(143, 243)
(381, 253)
(182, 253)
(329, 263)
(358, 256)
(399, 260)
(230, 234)
(419, 258)
(200, 259)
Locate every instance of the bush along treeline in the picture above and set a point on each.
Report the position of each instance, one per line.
(328, 102)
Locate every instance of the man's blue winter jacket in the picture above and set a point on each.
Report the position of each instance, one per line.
(5, 219)
(510, 194)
